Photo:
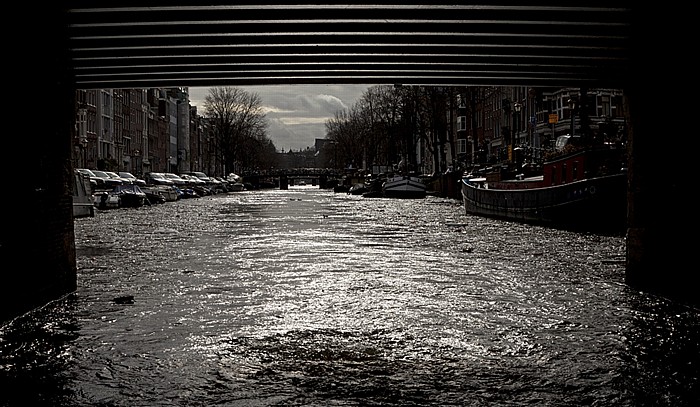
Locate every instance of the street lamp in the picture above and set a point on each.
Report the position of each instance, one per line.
(572, 105)
(517, 106)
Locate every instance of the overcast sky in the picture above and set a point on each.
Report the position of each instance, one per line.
(296, 114)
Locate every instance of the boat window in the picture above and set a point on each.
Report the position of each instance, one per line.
(554, 174)
(574, 171)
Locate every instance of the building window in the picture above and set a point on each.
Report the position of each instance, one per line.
(462, 123)
(605, 106)
(461, 146)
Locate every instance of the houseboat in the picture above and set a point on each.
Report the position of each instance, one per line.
(581, 188)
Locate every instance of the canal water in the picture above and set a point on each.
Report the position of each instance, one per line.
(305, 297)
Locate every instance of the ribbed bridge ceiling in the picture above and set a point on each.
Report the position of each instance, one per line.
(191, 43)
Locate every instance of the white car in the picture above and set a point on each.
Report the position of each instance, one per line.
(95, 181)
(116, 176)
(175, 178)
(132, 178)
(192, 180)
(157, 178)
(110, 182)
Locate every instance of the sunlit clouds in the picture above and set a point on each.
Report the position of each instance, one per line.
(296, 114)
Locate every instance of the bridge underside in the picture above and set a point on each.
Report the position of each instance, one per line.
(115, 44)
(109, 44)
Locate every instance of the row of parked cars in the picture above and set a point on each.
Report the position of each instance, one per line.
(109, 189)
(108, 180)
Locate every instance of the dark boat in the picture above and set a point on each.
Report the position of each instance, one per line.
(130, 196)
(582, 190)
(404, 186)
(153, 196)
(357, 189)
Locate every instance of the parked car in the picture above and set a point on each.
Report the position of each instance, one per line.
(134, 180)
(210, 182)
(109, 182)
(196, 184)
(204, 177)
(223, 183)
(192, 180)
(216, 185)
(114, 175)
(157, 178)
(95, 181)
(179, 182)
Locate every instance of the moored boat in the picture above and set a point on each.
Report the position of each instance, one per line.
(357, 189)
(404, 186)
(130, 196)
(235, 183)
(583, 190)
(107, 200)
(83, 203)
(168, 193)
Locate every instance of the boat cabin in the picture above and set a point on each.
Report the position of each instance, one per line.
(582, 164)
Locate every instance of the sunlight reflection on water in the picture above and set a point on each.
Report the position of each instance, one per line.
(306, 297)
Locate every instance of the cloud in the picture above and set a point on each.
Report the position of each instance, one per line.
(333, 103)
(297, 114)
(274, 110)
(296, 120)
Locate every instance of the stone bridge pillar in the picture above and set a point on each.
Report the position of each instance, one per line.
(37, 241)
(660, 258)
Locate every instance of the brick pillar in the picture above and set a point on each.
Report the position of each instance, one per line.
(38, 242)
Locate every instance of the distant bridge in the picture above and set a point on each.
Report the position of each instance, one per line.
(309, 172)
(283, 177)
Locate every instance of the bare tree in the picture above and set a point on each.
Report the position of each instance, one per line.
(381, 108)
(392, 125)
(235, 116)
